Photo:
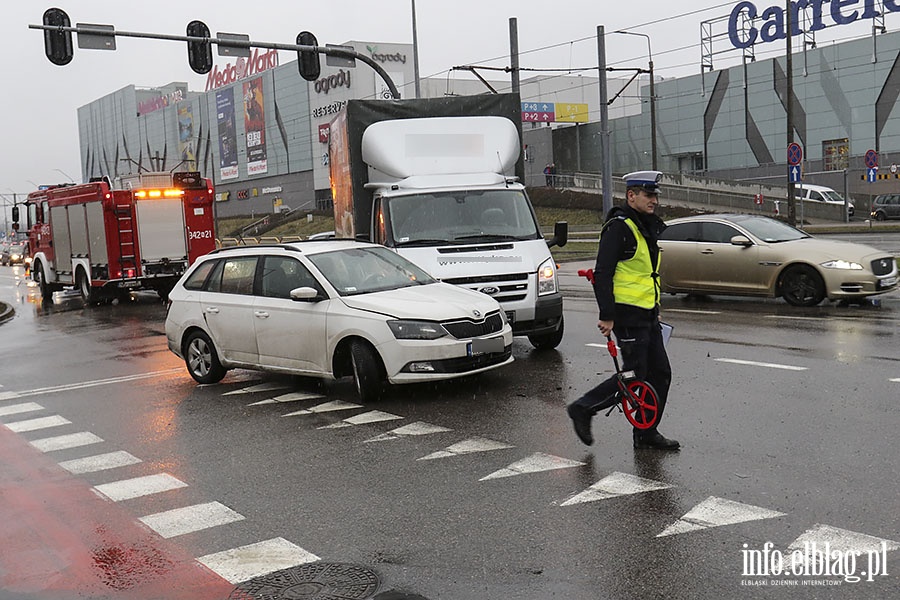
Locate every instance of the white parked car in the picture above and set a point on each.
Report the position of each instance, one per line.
(819, 193)
(331, 309)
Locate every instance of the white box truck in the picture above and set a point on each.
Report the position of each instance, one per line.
(438, 181)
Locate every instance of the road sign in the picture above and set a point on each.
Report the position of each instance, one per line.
(871, 174)
(871, 159)
(794, 154)
(795, 174)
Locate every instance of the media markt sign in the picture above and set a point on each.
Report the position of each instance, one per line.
(768, 24)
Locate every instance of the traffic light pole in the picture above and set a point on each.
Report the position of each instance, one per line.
(339, 52)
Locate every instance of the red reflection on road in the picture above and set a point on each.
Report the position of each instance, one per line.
(61, 540)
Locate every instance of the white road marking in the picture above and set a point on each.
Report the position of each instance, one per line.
(254, 560)
(261, 387)
(87, 384)
(715, 512)
(476, 444)
(15, 409)
(39, 423)
(136, 487)
(292, 397)
(417, 428)
(188, 519)
(64, 442)
(615, 485)
(754, 363)
(895, 379)
(535, 463)
(99, 462)
(797, 318)
(694, 312)
(373, 416)
(326, 407)
(847, 542)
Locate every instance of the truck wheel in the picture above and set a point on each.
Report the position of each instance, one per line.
(85, 287)
(368, 374)
(548, 341)
(201, 358)
(43, 286)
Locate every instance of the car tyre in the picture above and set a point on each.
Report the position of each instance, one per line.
(548, 341)
(801, 285)
(368, 374)
(201, 358)
(879, 216)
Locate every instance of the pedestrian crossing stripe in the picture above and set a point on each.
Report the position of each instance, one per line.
(99, 462)
(842, 540)
(373, 416)
(188, 519)
(716, 512)
(417, 428)
(614, 485)
(334, 405)
(16, 409)
(39, 423)
(469, 446)
(262, 387)
(127, 489)
(535, 463)
(65, 442)
(255, 560)
(292, 397)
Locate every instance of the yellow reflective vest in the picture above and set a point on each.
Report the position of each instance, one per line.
(635, 282)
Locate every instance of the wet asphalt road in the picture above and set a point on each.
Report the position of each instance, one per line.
(788, 420)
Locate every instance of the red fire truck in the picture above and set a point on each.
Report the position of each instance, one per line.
(107, 241)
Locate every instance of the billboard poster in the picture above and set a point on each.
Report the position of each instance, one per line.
(255, 126)
(185, 115)
(228, 155)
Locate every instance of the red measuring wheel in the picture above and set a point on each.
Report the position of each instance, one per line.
(640, 404)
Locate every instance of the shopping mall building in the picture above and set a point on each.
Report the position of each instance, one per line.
(260, 131)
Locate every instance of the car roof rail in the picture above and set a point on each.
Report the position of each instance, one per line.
(248, 246)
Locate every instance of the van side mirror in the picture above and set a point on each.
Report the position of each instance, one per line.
(560, 234)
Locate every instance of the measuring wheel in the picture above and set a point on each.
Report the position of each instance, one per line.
(640, 404)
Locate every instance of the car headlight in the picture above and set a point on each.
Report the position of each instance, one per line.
(547, 278)
(842, 264)
(416, 330)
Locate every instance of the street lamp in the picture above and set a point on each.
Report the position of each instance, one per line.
(652, 96)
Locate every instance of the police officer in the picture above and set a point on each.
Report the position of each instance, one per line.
(626, 285)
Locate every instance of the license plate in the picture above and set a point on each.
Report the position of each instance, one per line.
(484, 346)
(128, 284)
(889, 282)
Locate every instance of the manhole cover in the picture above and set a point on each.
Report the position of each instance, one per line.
(314, 581)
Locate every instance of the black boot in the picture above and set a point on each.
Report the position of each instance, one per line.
(581, 421)
(654, 440)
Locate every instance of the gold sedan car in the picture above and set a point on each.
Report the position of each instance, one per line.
(749, 255)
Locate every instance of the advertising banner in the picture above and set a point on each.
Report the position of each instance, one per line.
(255, 126)
(185, 115)
(228, 156)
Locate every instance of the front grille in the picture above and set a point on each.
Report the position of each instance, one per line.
(883, 266)
(465, 329)
(523, 277)
(510, 287)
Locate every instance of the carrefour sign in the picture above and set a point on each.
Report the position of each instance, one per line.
(768, 25)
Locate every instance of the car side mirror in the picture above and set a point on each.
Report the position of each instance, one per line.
(741, 240)
(560, 234)
(305, 294)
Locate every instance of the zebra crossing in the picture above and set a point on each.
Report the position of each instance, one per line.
(261, 557)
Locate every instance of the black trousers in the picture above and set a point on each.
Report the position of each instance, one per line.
(642, 351)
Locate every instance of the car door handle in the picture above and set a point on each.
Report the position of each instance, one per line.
(707, 251)
(261, 314)
(212, 309)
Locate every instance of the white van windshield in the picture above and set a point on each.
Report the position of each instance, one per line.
(460, 217)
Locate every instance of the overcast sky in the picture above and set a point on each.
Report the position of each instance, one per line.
(40, 105)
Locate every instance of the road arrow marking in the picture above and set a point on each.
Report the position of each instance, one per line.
(476, 444)
(417, 428)
(812, 543)
(715, 512)
(326, 407)
(615, 485)
(373, 416)
(535, 463)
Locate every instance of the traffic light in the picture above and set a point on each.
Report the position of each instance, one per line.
(57, 44)
(199, 53)
(308, 60)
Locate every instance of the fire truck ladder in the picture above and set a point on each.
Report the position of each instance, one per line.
(125, 227)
